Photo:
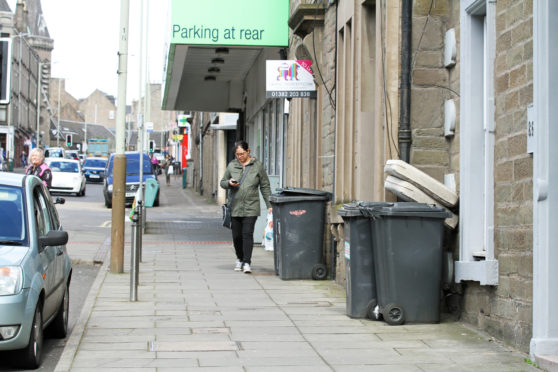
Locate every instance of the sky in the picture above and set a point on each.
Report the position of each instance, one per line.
(86, 41)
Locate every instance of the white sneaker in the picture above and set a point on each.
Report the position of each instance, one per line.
(247, 269)
(238, 266)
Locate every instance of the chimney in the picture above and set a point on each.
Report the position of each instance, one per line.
(21, 16)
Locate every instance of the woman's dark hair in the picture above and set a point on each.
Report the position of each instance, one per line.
(241, 144)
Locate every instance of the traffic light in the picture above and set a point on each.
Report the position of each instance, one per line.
(5, 69)
(69, 140)
(45, 75)
(151, 146)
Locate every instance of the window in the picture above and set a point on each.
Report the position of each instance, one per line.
(42, 214)
(476, 256)
(12, 218)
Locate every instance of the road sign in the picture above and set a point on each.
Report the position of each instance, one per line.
(183, 120)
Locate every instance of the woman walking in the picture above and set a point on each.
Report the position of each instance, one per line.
(169, 169)
(244, 176)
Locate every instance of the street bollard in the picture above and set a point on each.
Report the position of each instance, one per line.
(183, 178)
(134, 250)
(141, 210)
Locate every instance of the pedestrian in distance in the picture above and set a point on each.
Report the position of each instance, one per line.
(154, 164)
(169, 169)
(38, 167)
(243, 178)
(23, 159)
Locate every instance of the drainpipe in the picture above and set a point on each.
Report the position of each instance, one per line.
(405, 91)
(201, 155)
(333, 242)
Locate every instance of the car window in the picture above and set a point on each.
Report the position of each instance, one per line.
(94, 163)
(53, 154)
(132, 165)
(12, 215)
(42, 216)
(53, 214)
(64, 166)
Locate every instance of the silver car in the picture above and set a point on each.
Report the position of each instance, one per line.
(35, 269)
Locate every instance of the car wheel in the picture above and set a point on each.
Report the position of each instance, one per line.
(83, 191)
(108, 203)
(31, 355)
(59, 326)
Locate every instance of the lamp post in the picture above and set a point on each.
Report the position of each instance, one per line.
(39, 78)
(58, 116)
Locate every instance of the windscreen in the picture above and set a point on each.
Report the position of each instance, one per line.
(95, 163)
(64, 166)
(12, 216)
(132, 165)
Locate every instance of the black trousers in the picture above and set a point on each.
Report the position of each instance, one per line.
(243, 237)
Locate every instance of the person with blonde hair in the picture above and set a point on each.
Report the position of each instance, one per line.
(38, 167)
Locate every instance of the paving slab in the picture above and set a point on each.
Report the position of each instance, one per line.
(195, 313)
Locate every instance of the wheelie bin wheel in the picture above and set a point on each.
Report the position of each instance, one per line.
(370, 310)
(319, 272)
(394, 314)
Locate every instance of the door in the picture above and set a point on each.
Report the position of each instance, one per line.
(48, 256)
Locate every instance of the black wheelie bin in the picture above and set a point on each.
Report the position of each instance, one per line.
(407, 239)
(298, 232)
(360, 280)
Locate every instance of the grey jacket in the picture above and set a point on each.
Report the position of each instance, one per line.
(247, 199)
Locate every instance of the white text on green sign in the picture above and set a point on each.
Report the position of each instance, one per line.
(226, 22)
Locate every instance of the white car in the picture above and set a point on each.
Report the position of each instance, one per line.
(55, 152)
(67, 176)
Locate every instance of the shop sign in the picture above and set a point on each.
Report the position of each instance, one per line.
(226, 22)
(289, 79)
(183, 120)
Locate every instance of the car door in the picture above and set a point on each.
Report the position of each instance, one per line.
(47, 256)
(61, 252)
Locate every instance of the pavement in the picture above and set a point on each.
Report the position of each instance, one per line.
(195, 313)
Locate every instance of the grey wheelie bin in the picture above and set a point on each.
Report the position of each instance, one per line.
(407, 240)
(360, 278)
(298, 233)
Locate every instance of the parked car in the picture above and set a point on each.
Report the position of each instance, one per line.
(94, 169)
(132, 177)
(159, 156)
(72, 154)
(35, 269)
(67, 176)
(55, 152)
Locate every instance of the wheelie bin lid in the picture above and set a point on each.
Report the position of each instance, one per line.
(355, 209)
(350, 210)
(301, 191)
(282, 198)
(407, 209)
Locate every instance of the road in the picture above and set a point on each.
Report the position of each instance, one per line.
(86, 220)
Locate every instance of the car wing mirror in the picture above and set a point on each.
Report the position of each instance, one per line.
(59, 200)
(53, 237)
